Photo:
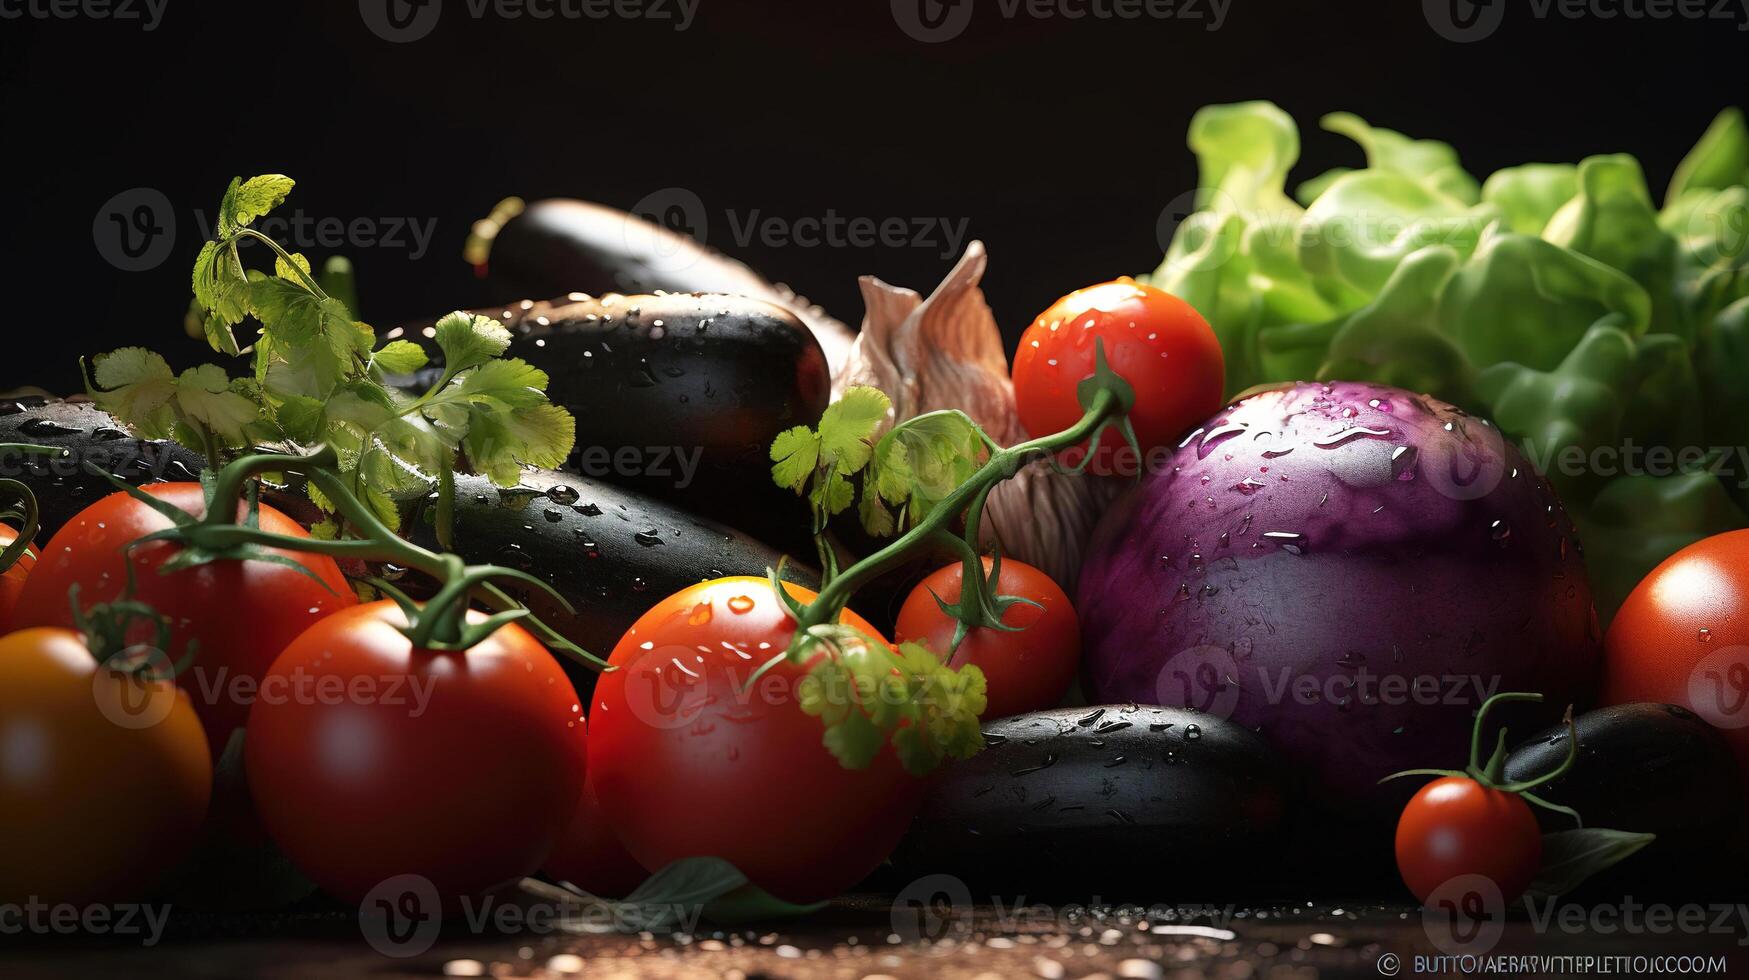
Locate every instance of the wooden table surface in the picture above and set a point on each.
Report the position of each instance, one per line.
(862, 937)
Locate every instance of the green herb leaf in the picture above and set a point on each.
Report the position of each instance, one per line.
(1571, 856)
(207, 395)
(469, 340)
(399, 357)
(848, 426)
(248, 200)
(136, 386)
(794, 453)
(867, 696)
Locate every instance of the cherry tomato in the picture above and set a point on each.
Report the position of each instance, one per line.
(240, 615)
(690, 761)
(12, 580)
(1027, 670)
(1154, 340)
(589, 854)
(1682, 637)
(104, 773)
(369, 759)
(1455, 827)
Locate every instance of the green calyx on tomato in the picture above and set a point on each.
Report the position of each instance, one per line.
(1478, 823)
(1492, 774)
(933, 469)
(111, 628)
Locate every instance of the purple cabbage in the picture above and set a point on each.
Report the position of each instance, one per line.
(1348, 568)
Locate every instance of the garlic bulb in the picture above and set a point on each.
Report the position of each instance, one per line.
(947, 352)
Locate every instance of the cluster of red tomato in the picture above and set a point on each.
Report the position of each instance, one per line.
(367, 759)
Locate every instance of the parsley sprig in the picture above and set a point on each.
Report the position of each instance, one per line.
(318, 378)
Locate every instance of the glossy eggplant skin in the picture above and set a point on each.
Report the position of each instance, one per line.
(1096, 801)
(560, 245)
(64, 484)
(611, 552)
(678, 395)
(1647, 768)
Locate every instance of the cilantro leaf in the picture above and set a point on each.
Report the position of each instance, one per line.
(848, 426)
(207, 395)
(794, 454)
(247, 200)
(136, 386)
(469, 340)
(399, 357)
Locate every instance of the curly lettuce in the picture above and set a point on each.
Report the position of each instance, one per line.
(1607, 334)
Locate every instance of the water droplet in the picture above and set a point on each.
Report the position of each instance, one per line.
(1403, 462)
(1705, 635)
(1346, 434)
(1501, 532)
(741, 604)
(553, 515)
(562, 495)
(1192, 732)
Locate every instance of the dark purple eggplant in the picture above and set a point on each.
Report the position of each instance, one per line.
(1646, 768)
(678, 396)
(62, 484)
(609, 551)
(560, 245)
(1108, 801)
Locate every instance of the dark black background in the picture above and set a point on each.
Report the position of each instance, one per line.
(1059, 140)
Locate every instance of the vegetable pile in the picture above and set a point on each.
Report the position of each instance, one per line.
(358, 618)
(1606, 334)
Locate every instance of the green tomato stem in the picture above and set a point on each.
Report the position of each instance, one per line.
(835, 595)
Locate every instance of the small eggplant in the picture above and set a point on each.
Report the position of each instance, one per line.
(677, 395)
(1097, 801)
(560, 245)
(1646, 768)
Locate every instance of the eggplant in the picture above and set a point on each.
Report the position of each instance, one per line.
(677, 395)
(63, 484)
(609, 551)
(560, 245)
(1107, 801)
(1646, 768)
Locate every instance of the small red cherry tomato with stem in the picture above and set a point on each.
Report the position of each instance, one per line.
(1155, 341)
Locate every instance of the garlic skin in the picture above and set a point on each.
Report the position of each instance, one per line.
(947, 352)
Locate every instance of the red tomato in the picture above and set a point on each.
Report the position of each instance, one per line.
(1682, 637)
(369, 759)
(690, 763)
(240, 615)
(12, 580)
(1153, 340)
(104, 774)
(1455, 827)
(1025, 671)
(589, 854)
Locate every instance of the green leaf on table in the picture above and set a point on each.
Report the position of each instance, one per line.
(1571, 856)
(676, 897)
